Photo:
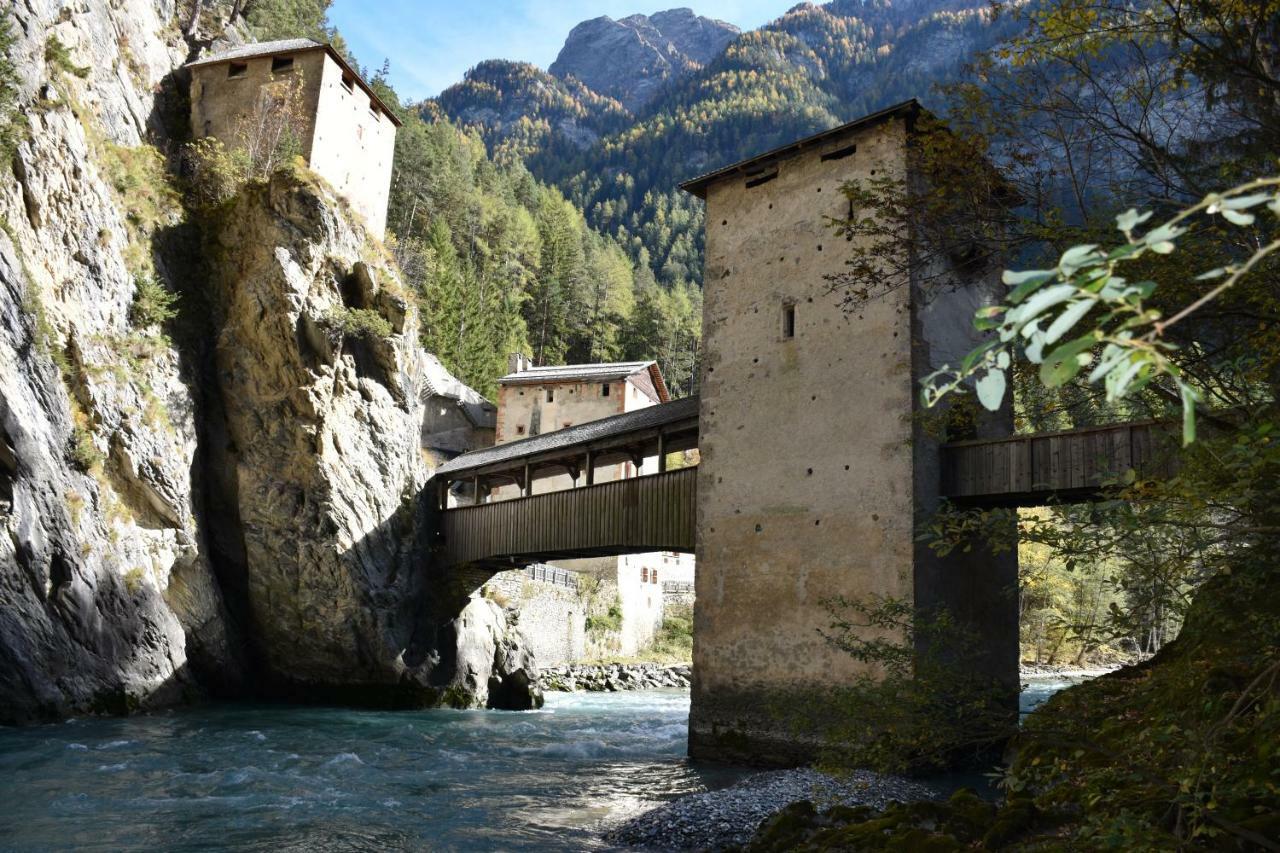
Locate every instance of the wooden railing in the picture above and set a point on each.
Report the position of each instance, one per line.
(1065, 466)
(654, 513)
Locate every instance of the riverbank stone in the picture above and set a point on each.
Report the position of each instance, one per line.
(615, 677)
(731, 816)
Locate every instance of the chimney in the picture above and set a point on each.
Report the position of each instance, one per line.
(517, 362)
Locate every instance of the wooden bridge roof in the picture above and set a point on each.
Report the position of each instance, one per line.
(630, 432)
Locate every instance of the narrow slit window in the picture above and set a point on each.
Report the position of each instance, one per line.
(839, 153)
(567, 424)
(788, 321)
(237, 69)
(644, 575)
(604, 390)
(281, 64)
(551, 395)
(761, 179)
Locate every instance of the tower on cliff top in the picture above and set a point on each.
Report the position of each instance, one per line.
(815, 465)
(250, 96)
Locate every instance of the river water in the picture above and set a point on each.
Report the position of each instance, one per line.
(276, 778)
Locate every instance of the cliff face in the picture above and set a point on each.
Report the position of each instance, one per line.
(632, 58)
(218, 495)
(318, 362)
(107, 598)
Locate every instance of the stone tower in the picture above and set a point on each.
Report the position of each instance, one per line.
(815, 466)
(247, 96)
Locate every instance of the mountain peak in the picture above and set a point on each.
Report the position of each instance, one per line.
(630, 59)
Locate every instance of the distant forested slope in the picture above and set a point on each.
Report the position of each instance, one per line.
(810, 69)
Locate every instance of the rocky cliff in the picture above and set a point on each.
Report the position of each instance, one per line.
(318, 360)
(208, 466)
(632, 58)
(108, 600)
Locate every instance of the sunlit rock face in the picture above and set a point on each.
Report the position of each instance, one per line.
(633, 58)
(323, 382)
(108, 601)
(323, 420)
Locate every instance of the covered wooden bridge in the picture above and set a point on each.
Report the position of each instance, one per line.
(657, 510)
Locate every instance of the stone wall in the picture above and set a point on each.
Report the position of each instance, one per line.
(815, 469)
(552, 615)
(229, 108)
(804, 486)
(354, 145)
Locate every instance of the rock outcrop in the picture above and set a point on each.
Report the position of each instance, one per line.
(108, 601)
(493, 667)
(613, 677)
(318, 361)
(633, 58)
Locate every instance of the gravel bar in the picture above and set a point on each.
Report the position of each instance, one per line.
(730, 816)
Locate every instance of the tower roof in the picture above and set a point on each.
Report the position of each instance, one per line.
(610, 372)
(754, 165)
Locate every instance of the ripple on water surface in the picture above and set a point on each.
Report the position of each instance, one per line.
(324, 779)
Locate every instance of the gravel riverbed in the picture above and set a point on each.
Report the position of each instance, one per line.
(730, 816)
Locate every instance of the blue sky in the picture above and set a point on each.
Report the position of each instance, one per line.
(430, 44)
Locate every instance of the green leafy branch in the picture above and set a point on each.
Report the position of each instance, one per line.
(1127, 345)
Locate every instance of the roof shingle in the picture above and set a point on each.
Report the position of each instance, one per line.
(576, 373)
(262, 48)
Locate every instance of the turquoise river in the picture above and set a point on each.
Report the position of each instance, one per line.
(276, 778)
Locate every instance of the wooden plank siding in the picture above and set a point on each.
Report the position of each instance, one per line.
(1064, 466)
(636, 515)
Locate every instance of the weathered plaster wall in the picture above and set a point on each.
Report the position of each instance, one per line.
(353, 146)
(225, 107)
(806, 463)
(642, 603)
(527, 406)
(345, 138)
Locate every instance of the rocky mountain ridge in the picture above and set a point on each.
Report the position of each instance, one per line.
(810, 69)
(632, 58)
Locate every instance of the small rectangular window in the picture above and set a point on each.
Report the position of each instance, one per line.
(520, 429)
(281, 64)
(788, 321)
(762, 179)
(348, 82)
(839, 153)
(567, 424)
(644, 575)
(237, 69)
(551, 395)
(374, 111)
(604, 390)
